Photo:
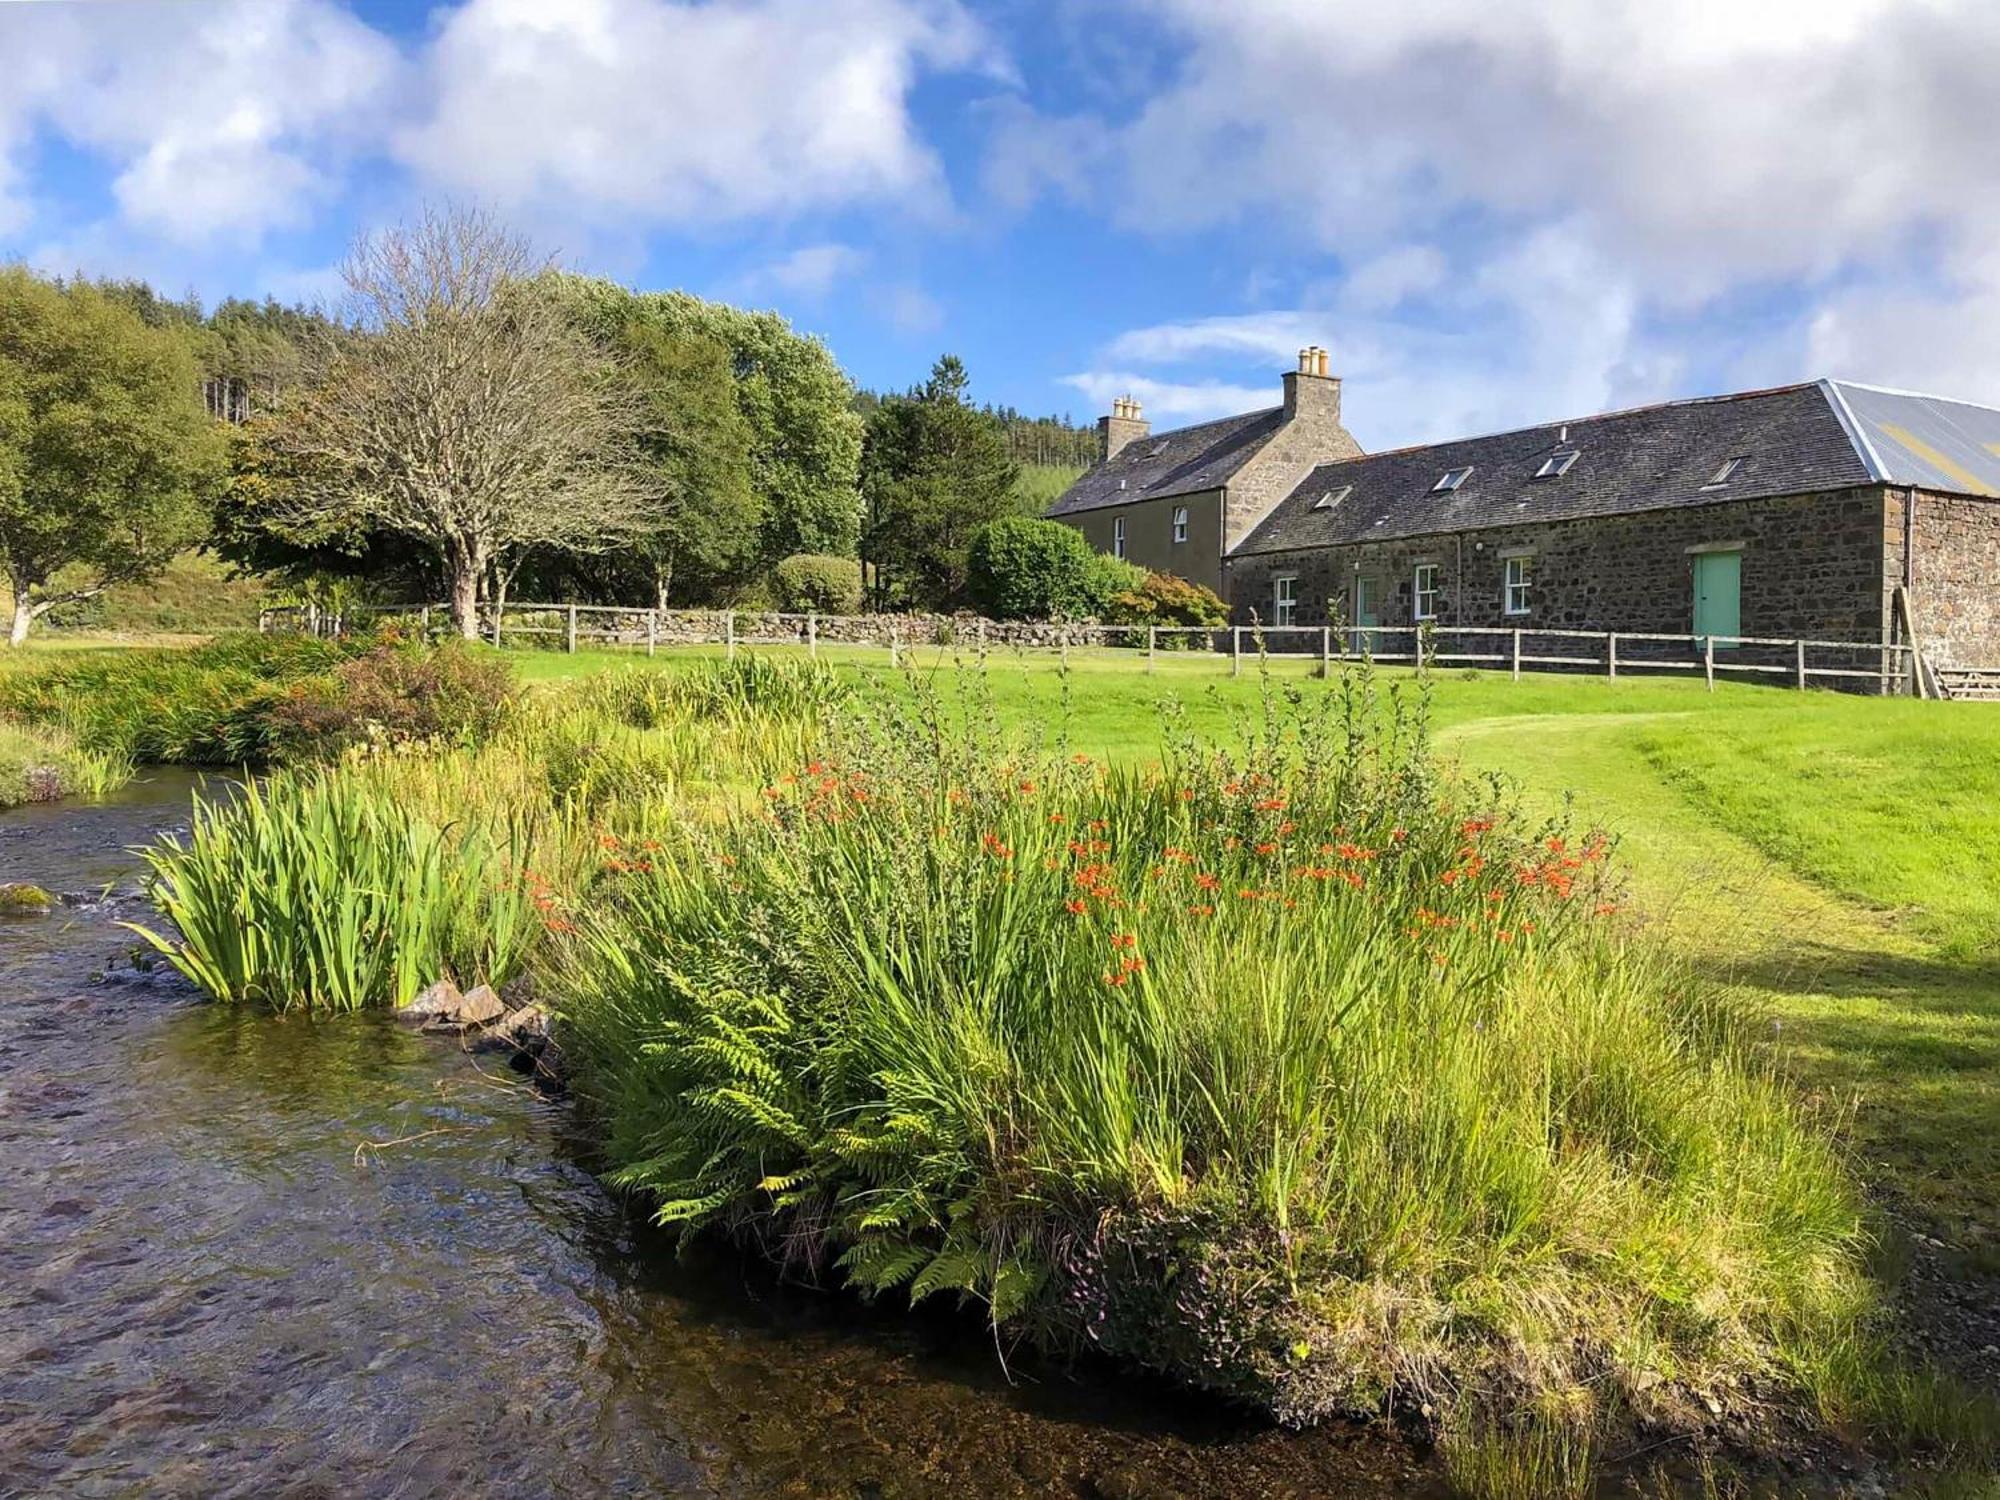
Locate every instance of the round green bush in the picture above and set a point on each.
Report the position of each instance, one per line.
(1025, 569)
(814, 581)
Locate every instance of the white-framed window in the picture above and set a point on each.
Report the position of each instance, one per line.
(1520, 579)
(1118, 537)
(1451, 480)
(1556, 464)
(1180, 523)
(1284, 598)
(1424, 591)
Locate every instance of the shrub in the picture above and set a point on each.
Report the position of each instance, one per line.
(1305, 1077)
(1024, 569)
(1164, 599)
(810, 581)
(456, 692)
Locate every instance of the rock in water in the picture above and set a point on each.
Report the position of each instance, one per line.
(478, 1006)
(440, 1001)
(20, 899)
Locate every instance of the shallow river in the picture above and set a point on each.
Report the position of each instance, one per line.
(211, 1284)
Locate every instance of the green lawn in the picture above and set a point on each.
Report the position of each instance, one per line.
(1831, 856)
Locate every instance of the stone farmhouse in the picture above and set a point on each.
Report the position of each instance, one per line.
(1802, 511)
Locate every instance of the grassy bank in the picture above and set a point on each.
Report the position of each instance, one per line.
(43, 765)
(1253, 1044)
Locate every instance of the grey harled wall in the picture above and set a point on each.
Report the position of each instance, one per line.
(1813, 565)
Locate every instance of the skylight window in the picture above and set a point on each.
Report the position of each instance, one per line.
(1158, 449)
(1333, 497)
(1557, 464)
(1726, 473)
(1452, 479)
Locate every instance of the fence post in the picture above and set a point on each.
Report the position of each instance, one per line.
(424, 622)
(496, 625)
(652, 630)
(1611, 656)
(1062, 638)
(812, 635)
(729, 631)
(895, 655)
(569, 639)
(1326, 652)
(1801, 646)
(1152, 645)
(1236, 651)
(1517, 653)
(1708, 660)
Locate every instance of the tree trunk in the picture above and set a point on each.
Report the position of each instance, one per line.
(465, 598)
(24, 609)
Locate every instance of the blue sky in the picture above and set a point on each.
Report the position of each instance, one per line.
(1491, 213)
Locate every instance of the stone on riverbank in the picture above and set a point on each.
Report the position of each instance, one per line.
(19, 898)
(441, 1000)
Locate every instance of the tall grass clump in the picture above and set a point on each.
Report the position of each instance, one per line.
(42, 765)
(1301, 1070)
(360, 884)
(208, 706)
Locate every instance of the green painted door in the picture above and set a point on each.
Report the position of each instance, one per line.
(1367, 612)
(1718, 595)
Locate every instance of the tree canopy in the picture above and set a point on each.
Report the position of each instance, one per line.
(934, 470)
(108, 462)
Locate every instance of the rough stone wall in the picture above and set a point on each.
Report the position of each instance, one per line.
(1812, 566)
(1314, 436)
(686, 627)
(1955, 580)
(1149, 535)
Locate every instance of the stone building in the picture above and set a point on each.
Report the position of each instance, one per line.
(1786, 513)
(1178, 502)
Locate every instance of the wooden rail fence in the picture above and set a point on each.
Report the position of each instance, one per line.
(1892, 668)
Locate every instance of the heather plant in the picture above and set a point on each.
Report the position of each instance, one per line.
(397, 691)
(1300, 1069)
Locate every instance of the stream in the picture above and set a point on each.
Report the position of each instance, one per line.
(213, 1284)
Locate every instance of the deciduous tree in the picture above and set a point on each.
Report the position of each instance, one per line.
(463, 409)
(108, 462)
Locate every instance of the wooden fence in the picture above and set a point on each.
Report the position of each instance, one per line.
(1884, 668)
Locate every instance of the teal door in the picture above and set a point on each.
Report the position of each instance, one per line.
(1718, 595)
(1367, 612)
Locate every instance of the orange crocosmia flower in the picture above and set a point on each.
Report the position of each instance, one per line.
(1201, 910)
(1207, 882)
(1117, 981)
(1232, 842)
(1267, 848)
(1131, 964)
(1555, 846)
(1505, 935)
(1124, 940)
(1075, 906)
(1098, 825)
(1605, 909)
(816, 768)
(1271, 804)
(772, 792)
(1288, 826)
(607, 841)
(1187, 794)
(1081, 760)
(1026, 786)
(1397, 835)
(1476, 826)
(1055, 817)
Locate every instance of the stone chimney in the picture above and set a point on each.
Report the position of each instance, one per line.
(1312, 396)
(1124, 425)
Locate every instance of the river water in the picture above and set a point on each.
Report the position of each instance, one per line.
(213, 1284)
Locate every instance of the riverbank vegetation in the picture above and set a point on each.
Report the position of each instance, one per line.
(1280, 1057)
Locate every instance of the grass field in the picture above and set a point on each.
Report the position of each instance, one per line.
(1831, 856)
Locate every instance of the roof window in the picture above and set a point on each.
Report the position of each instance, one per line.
(1451, 480)
(1727, 472)
(1158, 449)
(1333, 497)
(1557, 464)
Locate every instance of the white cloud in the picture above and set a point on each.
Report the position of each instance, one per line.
(809, 271)
(219, 120)
(909, 309)
(1691, 156)
(664, 111)
(1164, 400)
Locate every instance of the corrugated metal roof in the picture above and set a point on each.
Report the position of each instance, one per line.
(1927, 442)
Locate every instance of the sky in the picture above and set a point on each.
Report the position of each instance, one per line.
(1493, 213)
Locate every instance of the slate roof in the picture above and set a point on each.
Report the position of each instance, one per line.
(1791, 440)
(1180, 462)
